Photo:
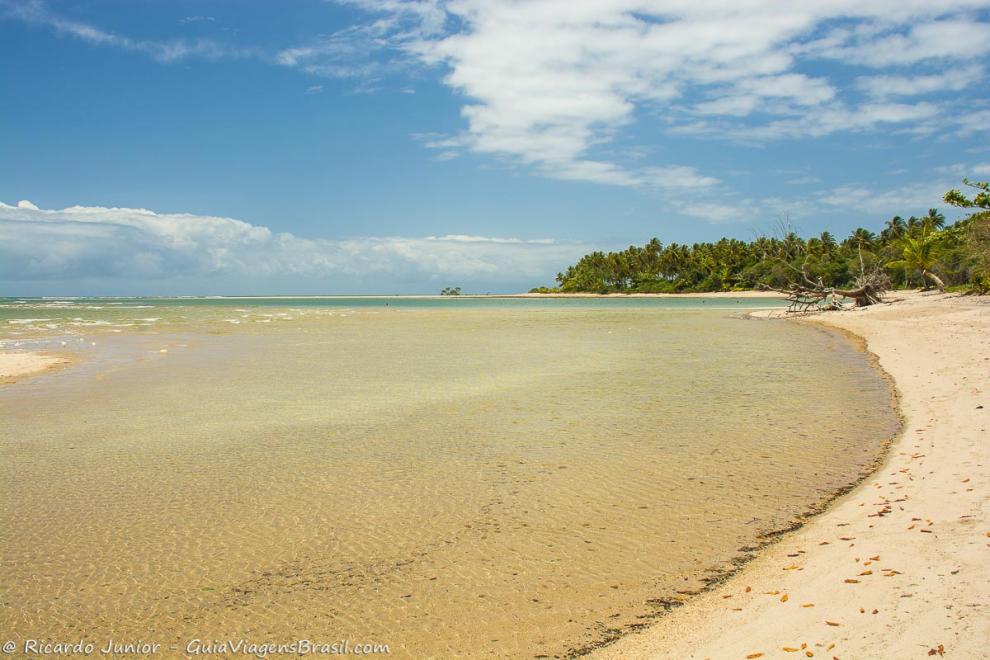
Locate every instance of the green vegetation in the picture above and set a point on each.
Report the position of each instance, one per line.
(451, 291)
(975, 235)
(914, 252)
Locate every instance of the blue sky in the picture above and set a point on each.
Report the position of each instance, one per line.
(359, 146)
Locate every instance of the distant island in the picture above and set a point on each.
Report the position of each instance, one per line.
(914, 252)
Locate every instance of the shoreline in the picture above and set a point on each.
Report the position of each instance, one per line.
(874, 572)
(16, 366)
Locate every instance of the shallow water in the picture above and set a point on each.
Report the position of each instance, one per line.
(489, 480)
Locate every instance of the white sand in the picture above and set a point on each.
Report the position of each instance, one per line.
(15, 366)
(927, 584)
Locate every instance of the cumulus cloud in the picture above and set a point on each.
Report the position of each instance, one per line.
(138, 245)
(546, 83)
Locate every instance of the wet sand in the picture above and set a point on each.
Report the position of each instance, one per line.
(898, 568)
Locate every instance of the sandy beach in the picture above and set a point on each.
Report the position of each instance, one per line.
(898, 567)
(15, 366)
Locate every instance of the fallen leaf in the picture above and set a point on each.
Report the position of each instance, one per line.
(851, 581)
(808, 605)
(790, 649)
(754, 655)
(783, 598)
(867, 573)
(833, 623)
(877, 558)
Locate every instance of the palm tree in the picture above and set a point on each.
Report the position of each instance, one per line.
(895, 228)
(863, 238)
(919, 255)
(913, 224)
(828, 241)
(932, 222)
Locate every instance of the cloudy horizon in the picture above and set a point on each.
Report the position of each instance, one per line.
(381, 146)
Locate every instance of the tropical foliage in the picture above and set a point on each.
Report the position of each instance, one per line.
(916, 252)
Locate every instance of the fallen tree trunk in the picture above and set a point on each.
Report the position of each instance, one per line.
(812, 296)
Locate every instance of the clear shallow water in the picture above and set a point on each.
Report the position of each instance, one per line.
(28, 318)
(514, 479)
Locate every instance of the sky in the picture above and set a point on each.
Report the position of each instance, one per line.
(359, 146)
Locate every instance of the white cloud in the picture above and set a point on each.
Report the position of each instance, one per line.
(949, 39)
(973, 121)
(906, 200)
(953, 80)
(138, 245)
(36, 12)
(718, 213)
(826, 120)
(678, 177)
(546, 83)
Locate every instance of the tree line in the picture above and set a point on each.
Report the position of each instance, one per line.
(917, 251)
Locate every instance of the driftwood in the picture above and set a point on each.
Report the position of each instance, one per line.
(810, 295)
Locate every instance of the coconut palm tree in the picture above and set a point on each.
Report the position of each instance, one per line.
(895, 228)
(863, 238)
(919, 255)
(932, 222)
(828, 242)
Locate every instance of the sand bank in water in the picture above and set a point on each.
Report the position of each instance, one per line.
(16, 366)
(899, 566)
